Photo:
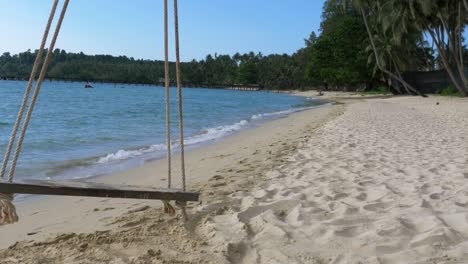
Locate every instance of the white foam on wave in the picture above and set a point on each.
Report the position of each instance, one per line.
(280, 113)
(215, 133)
(123, 154)
(205, 135)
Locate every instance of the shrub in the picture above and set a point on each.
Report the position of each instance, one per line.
(379, 90)
(449, 91)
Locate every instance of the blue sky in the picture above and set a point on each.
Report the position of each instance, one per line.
(135, 28)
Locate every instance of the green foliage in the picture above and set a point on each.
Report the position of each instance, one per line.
(397, 29)
(341, 56)
(378, 91)
(450, 91)
(273, 71)
(338, 56)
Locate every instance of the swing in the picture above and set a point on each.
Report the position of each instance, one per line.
(42, 187)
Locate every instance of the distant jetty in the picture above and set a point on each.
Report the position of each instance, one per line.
(237, 87)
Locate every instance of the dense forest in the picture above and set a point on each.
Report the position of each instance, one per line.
(223, 70)
(361, 44)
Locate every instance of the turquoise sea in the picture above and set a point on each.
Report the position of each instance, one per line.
(78, 133)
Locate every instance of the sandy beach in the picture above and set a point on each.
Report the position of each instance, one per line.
(367, 180)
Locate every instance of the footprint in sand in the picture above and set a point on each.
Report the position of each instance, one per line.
(362, 196)
(398, 231)
(339, 196)
(348, 231)
(376, 207)
(216, 177)
(219, 184)
(388, 249)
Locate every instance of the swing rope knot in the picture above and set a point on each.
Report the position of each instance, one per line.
(7, 209)
(8, 213)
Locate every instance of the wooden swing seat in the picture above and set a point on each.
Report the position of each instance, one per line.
(89, 189)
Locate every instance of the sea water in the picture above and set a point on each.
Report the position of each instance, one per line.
(77, 133)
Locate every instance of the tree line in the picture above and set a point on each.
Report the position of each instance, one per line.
(397, 33)
(361, 44)
(253, 69)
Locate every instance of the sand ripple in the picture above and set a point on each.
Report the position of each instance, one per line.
(385, 182)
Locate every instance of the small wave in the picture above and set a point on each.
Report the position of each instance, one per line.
(58, 169)
(203, 136)
(123, 154)
(4, 124)
(215, 133)
(280, 113)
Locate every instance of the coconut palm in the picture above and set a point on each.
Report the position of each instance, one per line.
(383, 55)
(444, 22)
(400, 46)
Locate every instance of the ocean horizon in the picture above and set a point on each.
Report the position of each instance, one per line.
(79, 133)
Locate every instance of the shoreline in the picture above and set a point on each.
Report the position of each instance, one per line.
(362, 181)
(39, 220)
(88, 141)
(125, 159)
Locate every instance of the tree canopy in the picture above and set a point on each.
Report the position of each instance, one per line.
(338, 57)
(273, 71)
(360, 43)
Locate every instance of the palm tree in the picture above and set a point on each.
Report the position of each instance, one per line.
(370, 10)
(444, 21)
(400, 50)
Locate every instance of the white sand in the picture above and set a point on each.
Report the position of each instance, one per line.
(384, 182)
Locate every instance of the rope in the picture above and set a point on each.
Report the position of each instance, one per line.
(36, 92)
(166, 84)
(181, 204)
(168, 208)
(179, 94)
(28, 90)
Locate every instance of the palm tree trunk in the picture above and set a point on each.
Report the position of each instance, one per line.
(408, 89)
(426, 56)
(389, 82)
(454, 44)
(446, 64)
(377, 60)
(459, 56)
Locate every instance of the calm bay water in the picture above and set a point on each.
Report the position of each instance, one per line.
(77, 132)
